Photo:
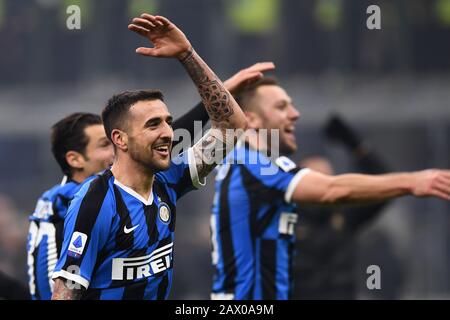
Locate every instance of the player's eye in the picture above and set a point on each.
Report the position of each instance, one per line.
(105, 143)
(153, 123)
(281, 106)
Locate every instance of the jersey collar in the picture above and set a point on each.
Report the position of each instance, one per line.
(134, 194)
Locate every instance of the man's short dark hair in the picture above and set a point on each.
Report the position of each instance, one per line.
(68, 135)
(115, 113)
(248, 92)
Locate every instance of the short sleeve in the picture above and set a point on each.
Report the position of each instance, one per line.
(182, 175)
(271, 180)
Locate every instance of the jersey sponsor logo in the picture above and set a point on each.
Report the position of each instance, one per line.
(287, 223)
(126, 230)
(44, 210)
(77, 244)
(285, 163)
(158, 261)
(164, 212)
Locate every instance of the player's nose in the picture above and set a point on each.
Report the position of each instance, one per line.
(294, 114)
(167, 132)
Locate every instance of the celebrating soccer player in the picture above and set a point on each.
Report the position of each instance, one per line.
(81, 148)
(118, 235)
(254, 211)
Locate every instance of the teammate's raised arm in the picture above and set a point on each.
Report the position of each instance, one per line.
(224, 112)
(315, 187)
(247, 76)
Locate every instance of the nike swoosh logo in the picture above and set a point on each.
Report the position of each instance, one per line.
(126, 230)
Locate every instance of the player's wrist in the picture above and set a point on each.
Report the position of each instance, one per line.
(185, 54)
(410, 182)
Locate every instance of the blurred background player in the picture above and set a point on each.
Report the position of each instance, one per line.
(254, 209)
(81, 148)
(326, 246)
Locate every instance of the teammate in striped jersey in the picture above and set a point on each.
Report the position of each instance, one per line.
(119, 229)
(80, 147)
(254, 214)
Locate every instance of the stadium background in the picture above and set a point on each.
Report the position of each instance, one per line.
(392, 84)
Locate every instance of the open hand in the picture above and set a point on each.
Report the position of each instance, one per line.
(432, 183)
(168, 41)
(247, 76)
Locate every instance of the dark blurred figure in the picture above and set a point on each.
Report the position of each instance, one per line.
(13, 226)
(326, 237)
(12, 289)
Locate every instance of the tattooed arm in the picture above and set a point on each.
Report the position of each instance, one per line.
(222, 109)
(62, 292)
(234, 85)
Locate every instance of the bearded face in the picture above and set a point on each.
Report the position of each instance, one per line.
(150, 135)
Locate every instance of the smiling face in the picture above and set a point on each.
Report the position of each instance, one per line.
(273, 109)
(150, 134)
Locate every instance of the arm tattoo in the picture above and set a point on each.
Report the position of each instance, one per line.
(62, 292)
(216, 101)
(224, 112)
(214, 95)
(211, 150)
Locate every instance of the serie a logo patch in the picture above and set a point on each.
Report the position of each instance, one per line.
(285, 163)
(77, 244)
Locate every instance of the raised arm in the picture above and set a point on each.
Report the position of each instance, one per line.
(318, 188)
(234, 85)
(222, 109)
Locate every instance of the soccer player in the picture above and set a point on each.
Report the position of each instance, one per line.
(81, 148)
(118, 234)
(254, 208)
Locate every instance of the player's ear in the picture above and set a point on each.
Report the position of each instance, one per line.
(75, 159)
(120, 139)
(253, 119)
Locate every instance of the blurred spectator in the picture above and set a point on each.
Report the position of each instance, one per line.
(327, 237)
(13, 230)
(11, 289)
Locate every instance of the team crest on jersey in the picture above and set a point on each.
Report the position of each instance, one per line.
(77, 244)
(285, 163)
(164, 212)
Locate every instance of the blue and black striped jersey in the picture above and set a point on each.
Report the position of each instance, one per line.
(45, 236)
(252, 226)
(119, 245)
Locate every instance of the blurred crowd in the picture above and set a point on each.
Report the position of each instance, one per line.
(310, 36)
